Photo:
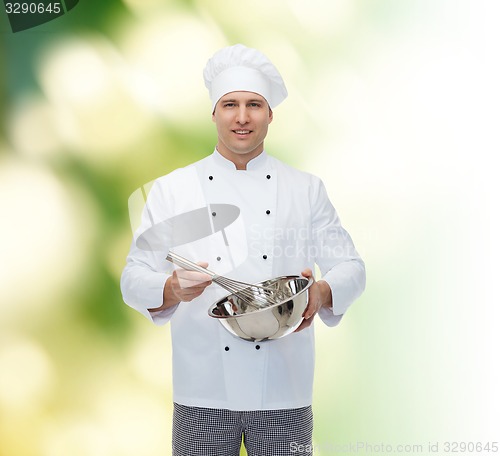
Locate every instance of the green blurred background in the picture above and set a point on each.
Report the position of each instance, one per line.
(394, 103)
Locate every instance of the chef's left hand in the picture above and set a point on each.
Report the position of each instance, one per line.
(319, 296)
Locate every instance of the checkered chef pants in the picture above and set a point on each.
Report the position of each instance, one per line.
(214, 432)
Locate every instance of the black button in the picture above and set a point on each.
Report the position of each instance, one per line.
(218, 258)
(257, 347)
(264, 256)
(214, 213)
(211, 177)
(226, 348)
(268, 212)
(268, 176)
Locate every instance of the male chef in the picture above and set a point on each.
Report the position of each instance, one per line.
(250, 217)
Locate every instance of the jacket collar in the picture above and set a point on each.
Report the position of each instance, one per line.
(256, 163)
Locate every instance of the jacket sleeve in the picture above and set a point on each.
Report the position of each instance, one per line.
(142, 285)
(147, 270)
(339, 262)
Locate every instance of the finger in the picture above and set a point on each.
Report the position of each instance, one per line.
(309, 312)
(193, 275)
(191, 278)
(306, 310)
(188, 294)
(305, 324)
(307, 273)
(312, 305)
(198, 289)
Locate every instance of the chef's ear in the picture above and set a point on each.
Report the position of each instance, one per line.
(271, 116)
(213, 112)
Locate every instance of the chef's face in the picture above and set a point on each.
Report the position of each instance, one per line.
(242, 120)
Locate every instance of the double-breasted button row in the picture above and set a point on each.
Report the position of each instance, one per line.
(268, 212)
(257, 347)
(264, 257)
(214, 214)
(268, 176)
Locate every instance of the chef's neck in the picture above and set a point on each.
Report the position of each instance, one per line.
(240, 160)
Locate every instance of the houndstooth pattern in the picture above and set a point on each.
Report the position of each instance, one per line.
(215, 432)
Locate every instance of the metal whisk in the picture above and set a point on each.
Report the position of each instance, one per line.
(256, 296)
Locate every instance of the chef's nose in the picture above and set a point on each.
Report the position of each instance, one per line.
(242, 115)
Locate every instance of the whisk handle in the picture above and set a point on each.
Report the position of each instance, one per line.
(184, 263)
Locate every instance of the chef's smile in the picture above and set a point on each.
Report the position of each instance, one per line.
(242, 133)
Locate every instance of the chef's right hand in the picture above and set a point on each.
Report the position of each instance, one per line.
(187, 285)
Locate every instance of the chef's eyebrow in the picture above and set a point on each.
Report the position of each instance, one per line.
(233, 100)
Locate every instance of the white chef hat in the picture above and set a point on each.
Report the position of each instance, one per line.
(238, 68)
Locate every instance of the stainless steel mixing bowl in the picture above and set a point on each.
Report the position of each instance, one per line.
(272, 322)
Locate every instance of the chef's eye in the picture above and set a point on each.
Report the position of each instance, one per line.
(254, 105)
(229, 105)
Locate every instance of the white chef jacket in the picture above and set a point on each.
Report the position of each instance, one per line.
(288, 224)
